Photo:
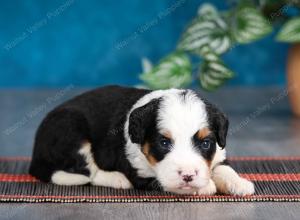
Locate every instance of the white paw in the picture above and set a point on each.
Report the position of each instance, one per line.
(111, 179)
(209, 189)
(120, 181)
(241, 187)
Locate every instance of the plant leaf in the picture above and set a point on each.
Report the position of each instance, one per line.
(250, 25)
(208, 54)
(290, 32)
(174, 71)
(207, 29)
(208, 10)
(213, 73)
(147, 65)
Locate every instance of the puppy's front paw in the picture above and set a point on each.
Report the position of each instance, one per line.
(229, 182)
(119, 181)
(241, 187)
(111, 179)
(209, 189)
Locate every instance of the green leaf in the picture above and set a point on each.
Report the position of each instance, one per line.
(147, 65)
(213, 72)
(174, 71)
(250, 25)
(208, 54)
(207, 29)
(290, 32)
(207, 10)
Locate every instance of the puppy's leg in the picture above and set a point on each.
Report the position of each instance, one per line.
(64, 178)
(229, 182)
(111, 179)
(209, 189)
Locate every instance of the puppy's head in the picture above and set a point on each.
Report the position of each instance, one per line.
(178, 133)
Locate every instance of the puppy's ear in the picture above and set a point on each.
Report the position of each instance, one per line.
(218, 123)
(141, 119)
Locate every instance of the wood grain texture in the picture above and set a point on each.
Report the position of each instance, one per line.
(138, 211)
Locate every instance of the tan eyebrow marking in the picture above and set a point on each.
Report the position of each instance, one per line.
(146, 152)
(203, 133)
(168, 135)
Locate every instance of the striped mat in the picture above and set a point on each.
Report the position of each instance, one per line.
(276, 179)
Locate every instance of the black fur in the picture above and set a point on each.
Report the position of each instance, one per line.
(98, 117)
(218, 123)
(143, 128)
(154, 138)
(141, 120)
(209, 153)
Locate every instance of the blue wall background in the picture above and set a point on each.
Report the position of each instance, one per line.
(89, 43)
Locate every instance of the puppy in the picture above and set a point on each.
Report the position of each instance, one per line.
(119, 137)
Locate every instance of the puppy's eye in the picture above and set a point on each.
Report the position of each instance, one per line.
(165, 142)
(205, 144)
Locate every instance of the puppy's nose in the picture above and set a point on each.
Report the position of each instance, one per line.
(187, 178)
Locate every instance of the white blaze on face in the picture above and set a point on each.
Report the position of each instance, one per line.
(182, 117)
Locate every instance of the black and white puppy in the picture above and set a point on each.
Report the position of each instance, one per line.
(120, 137)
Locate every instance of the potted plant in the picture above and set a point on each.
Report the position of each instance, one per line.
(212, 33)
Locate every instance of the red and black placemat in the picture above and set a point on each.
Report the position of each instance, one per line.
(276, 179)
